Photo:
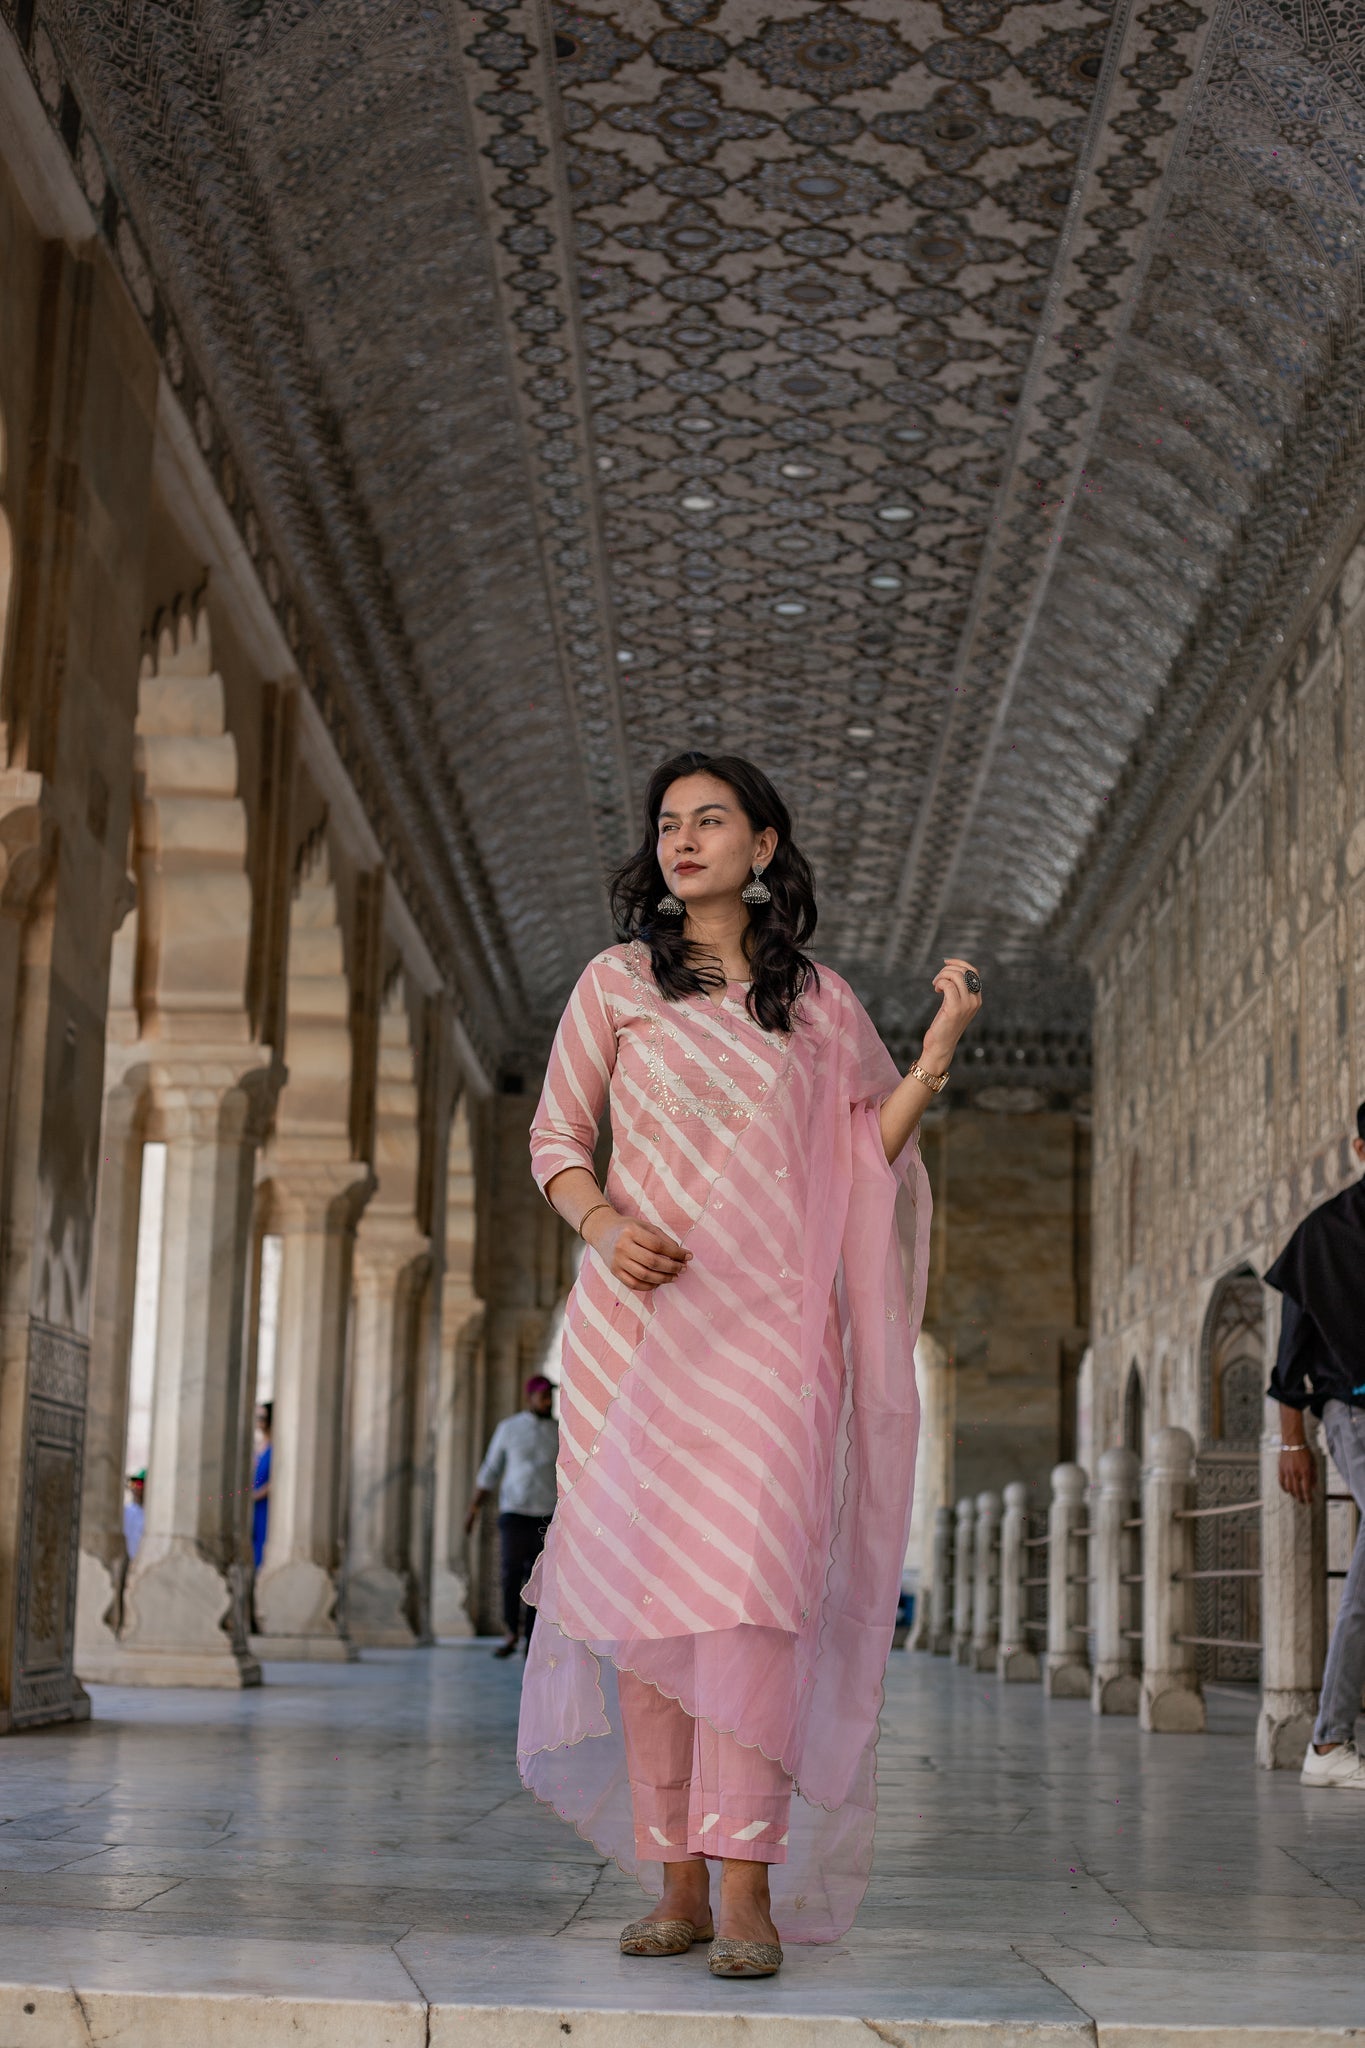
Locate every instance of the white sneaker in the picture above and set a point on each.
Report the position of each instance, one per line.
(1343, 1765)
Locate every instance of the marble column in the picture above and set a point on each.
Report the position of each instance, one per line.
(986, 1582)
(1066, 1672)
(964, 1578)
(526, 1267)
(1172, 1701)
(940, 1603)
(1293, 1609)
(79, 402)
(104, 1554)
(1115, 1685)
(314, 1208)
(184, 1619)
(933, 1481)
(458, 1405)
(1016, 1660)
(389, 1257)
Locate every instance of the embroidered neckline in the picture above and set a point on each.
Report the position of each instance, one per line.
(724, 1107)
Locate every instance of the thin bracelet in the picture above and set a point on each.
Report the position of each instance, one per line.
(1294, 1447)
(590, 1212)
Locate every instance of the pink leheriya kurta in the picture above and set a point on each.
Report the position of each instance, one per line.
(736, 1448)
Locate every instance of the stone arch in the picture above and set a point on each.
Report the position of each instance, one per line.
(190, 842)
(390, 1264)
(1232, 1378)
(181, 1035)
(1134, 1411)
(314, 1192)
(462, 1394)
(315, 1105)
(1232, 1364)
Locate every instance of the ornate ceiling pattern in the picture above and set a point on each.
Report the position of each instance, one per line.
(941, 402)
(1228, 465)
(811, 251)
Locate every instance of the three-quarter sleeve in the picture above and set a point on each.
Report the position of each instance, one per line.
(564, 1129)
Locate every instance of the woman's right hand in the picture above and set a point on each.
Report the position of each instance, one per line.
(637, 1254)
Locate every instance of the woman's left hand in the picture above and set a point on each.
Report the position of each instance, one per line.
(955, 1012)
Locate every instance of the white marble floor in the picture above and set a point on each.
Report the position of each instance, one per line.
(345, 1857)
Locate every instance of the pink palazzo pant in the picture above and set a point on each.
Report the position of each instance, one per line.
(695, 1791)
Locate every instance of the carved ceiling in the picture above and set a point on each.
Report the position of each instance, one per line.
(927, 399)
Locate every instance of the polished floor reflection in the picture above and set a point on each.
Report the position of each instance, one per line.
(346, 1856)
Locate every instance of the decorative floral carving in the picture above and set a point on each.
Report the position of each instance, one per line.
(956, 128)
(811, 294)
(689, 119)
(1068, 62)
(827, 54)
(819, 187)
(587, 47)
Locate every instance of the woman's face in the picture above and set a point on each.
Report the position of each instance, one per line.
(707, 847)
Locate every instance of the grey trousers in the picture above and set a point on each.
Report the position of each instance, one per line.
(1345, 1673)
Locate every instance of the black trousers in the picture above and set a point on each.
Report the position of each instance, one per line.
(522, 1538)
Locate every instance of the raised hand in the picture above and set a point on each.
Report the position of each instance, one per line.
(960, 1002)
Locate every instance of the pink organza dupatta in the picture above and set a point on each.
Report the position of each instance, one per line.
(736, 1534)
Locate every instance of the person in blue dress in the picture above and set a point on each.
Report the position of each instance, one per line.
(260, 1483)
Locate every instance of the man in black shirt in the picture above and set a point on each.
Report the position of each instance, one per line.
(1321, 1365)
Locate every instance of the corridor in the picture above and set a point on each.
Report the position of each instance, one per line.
(329, 1860)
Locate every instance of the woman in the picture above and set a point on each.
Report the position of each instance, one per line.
(260, 1482)
(737, 1401)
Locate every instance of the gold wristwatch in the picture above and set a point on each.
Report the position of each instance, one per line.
(934, 1082)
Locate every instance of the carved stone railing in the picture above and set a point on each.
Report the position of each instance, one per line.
(986, 1582)
(1116, 1591)
(1104, 1606)
(964, 1585)
(940, 1630)
(1016, 1659)
(1066, 1668)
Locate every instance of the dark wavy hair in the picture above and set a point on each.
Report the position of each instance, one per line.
(777, 931)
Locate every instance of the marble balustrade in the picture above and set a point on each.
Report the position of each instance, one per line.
(1107, 1604)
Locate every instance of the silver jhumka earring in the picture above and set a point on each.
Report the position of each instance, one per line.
(669, 905)
(756, 891)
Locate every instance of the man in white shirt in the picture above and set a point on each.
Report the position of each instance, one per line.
(520, 1463)
(133, 1511)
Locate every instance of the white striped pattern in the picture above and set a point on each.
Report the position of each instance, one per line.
(736, 1450)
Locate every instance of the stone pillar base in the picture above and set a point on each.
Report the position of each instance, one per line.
(377, 1610)
(181, 1626)
(982, 1657)
(74, 1705)
(940, 1644)
(223, 1671)
(297, 1601)
(1067, 1681)
(98, 1598)
(961, 1650)
(450, 1604)
(1284, 1729)
(1116, 1693)
(1171, 1710)
(274, 1649)
(1017, 1667)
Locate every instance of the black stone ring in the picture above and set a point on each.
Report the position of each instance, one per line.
(973, 981)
